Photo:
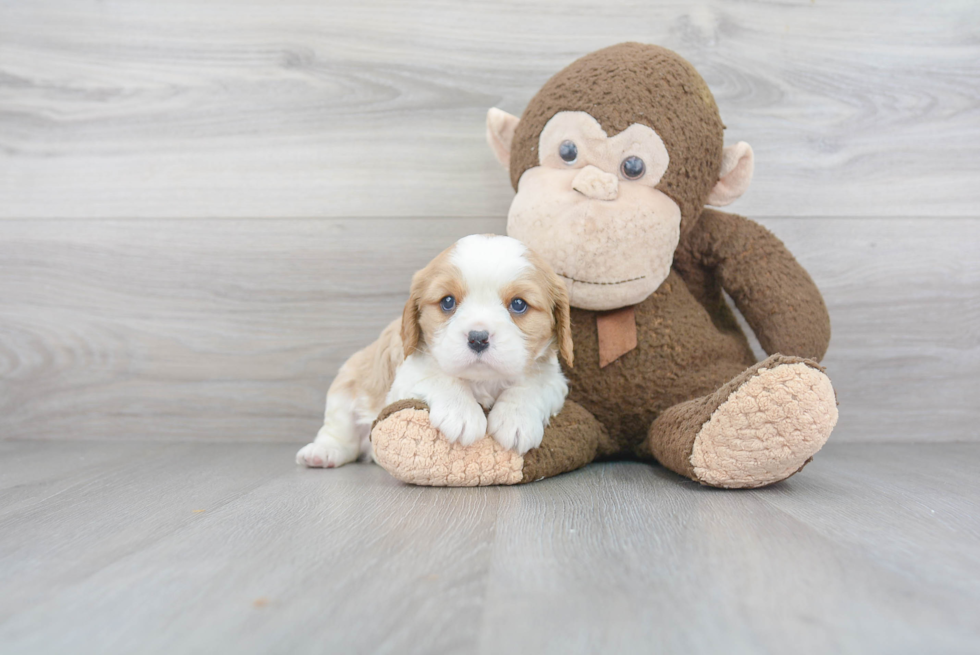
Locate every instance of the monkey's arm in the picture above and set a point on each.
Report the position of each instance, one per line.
(774, 293)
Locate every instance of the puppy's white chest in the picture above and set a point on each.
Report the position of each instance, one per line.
(486, 392)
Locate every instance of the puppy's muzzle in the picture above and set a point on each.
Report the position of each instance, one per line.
(478, 341)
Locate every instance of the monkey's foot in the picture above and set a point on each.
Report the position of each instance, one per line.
(762, 427)
(407, 446)
(768, 429)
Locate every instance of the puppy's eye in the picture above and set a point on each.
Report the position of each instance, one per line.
(568, 152)
(448, 304)
(632, 168)
(518, 306)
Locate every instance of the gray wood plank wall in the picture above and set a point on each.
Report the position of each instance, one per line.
(205, 207)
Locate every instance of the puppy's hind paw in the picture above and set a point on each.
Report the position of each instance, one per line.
(325, 454)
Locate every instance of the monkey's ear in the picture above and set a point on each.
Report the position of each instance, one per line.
(500, 133)
(737, 164)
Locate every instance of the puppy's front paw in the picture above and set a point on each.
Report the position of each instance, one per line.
(325, 454)
(514, 427)
(462, 421)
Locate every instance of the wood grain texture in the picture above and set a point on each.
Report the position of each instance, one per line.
(662, 567)
(872, 549)
(376, 108)
(233, 330)
(141, 568)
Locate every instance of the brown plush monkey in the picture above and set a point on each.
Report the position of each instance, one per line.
(614, 161)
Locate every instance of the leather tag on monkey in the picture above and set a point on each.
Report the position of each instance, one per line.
(617, 334)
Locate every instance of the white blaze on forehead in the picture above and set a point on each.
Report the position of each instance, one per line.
(489, 262)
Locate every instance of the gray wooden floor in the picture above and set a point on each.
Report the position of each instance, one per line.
(208, 547)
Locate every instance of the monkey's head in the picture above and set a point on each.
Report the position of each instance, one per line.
(613, 160)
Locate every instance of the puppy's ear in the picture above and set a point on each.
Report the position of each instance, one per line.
(411, 331)
(563, 317)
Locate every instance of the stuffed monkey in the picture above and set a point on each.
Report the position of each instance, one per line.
(613, 162)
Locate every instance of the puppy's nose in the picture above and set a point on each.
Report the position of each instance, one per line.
(597, 184)
(479, 341)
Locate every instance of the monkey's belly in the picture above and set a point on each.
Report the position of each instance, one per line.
(680, 354)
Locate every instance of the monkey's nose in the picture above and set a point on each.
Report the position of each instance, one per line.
(597, 184)
(478, 341)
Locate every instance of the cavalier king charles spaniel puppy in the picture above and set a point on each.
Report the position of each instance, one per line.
(482, 329)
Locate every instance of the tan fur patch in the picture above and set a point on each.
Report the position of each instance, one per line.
(537, 324)
(422, 314)
(371, 370)
(547, 281)
(767, 429)
(414, 452)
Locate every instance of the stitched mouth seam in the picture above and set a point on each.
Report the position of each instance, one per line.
(632, 279)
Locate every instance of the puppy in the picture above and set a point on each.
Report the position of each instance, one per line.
(482, 328)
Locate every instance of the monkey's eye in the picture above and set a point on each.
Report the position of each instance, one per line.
(632, 168)
(518, 305)
(568, 152)
(448, 304)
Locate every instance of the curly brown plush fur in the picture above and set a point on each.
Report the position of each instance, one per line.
(614, 86)
(690, 393)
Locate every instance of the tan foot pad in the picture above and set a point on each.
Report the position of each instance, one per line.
(767, 429)
(411, 450)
